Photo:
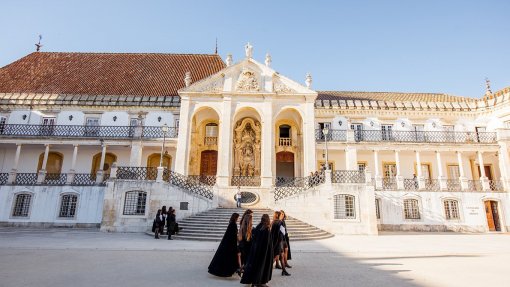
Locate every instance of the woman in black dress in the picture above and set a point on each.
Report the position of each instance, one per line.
(225, 261)
(244, 236)
(159, 224)
(259, 266)
(171, 224)
(278, 237)
(286, 243)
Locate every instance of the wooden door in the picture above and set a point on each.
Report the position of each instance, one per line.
(285, 164)
(208, 162)
(488, 172)
(492, 213)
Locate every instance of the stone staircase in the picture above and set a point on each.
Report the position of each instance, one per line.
(211, 225)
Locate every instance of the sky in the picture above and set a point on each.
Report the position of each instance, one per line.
(402, 46)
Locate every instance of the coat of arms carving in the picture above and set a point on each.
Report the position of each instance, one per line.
(247, 81)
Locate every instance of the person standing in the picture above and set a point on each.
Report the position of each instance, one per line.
(159, 224)
(259, 266)
(278, 236)
(225, 261)
(171, 223)
(286, 244)
(244, 237)
(238, 196)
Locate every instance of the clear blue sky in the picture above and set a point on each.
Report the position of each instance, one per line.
(410, 46)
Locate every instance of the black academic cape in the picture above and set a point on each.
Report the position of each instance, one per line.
(287, 240)
(259, 266)
(171, 224)
(224, 262)
(277, 237)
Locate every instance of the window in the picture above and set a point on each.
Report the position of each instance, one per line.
(386, 131)
(22, 205)
(389, 170)
(358, 131)
(211, 130)
(451, 209)
(344, 206)
(284, 131)
(419, 133)
(362, 166)
(411, 209)
(322, 165)
(68, 204)
(453, 171)
(378, 208)
(322, 126)
(134, 203)
(3, 121)
(92, 126)
(48, 126)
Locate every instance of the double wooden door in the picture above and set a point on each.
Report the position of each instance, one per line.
(492, 213)
(209, 162)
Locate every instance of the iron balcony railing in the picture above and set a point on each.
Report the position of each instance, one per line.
(289, 186)
(408, 136)
(55, 179)
(347, 176)
(3, 178)
(453, 185)
(496, 185)
(25, 178)
(85, 179)
(78, 131)
(389, 183)
(205, 179)
(238, 180)
(411, 184)
(137, 173)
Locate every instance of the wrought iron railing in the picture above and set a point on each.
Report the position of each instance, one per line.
(285, 142)
(432, 185)
(453, 185)
(24, 178)
(79, 131)
(411, 184)
(239, 180)
(187, 183)
(333, 135)
(389, 183)
(408, 136)
(282, 180)
(347, 176)
(3, 178)
(474, 185)
(84, 179)
(205, 179)
(55, 179)
(210, 140)
(297, 185)
(496, 185)
(137, 173)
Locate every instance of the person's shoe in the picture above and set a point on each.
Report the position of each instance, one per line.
(285, 273)
(238, 271)
(288, 266)
(277, 266)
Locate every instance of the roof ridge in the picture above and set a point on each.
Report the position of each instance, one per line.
(126, 53)
(426, 93)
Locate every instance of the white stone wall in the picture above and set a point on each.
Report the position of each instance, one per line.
(471, 208)
(45, 206)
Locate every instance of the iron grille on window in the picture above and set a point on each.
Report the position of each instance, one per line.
(22, 205)
(134, 203)
(68, 206)
(411, 209)
(344, 206)
(451, 209)
(377, 208)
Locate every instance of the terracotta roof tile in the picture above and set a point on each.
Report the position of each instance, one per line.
(390, 96)
(105, 73)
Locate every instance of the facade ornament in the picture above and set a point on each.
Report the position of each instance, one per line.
(247, 81)
(488, 86)
(268, 60)
(187, 79)
(247, 146)
(308, 81)
(279, 87)
(229, 60)
(248, 49)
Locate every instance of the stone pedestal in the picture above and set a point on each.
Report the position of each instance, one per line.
(378, 182)
(327, 179)
(12, 176)
(443, 185)
(70, 176)
(422, 183)
(159, 176)
(400, 182)
(99, 176)
(485, 183)
(464, 185)
(41, 175)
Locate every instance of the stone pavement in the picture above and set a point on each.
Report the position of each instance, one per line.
(51, 257)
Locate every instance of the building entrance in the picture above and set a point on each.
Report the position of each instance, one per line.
(285, 164)
(491, 211)
(208, 162)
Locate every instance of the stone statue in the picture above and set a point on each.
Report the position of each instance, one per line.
(247, 148)
(229, 60)
(248, 49)
(268, 60)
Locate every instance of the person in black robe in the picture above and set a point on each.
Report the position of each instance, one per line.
(225, 261)
(286, 243)
(171, 224)
(244, 236)
(259, 266)
(278, 238)
(159, 224)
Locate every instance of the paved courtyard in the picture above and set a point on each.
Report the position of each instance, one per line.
(88, 258)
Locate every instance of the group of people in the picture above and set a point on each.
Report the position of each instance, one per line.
(164, 217)
(252, 252)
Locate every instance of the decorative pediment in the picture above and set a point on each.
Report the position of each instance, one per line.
(212, 84)
(247, 81)
(280, 87)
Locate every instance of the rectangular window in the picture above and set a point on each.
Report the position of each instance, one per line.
(211, 130)
(92, 126)
(322, 165)
(22, 205)
(389, 170)
(451, 209)
(411, 209)
(378, 208)
(358, 131)
(344, 206)
(362, 166)
(453, 171)
(386, 132)
(68, 206)
(48, 126)
(3, 121)
(134, 203)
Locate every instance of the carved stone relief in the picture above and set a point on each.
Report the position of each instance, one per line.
(247, 148)
(279, 87)
(247, 81)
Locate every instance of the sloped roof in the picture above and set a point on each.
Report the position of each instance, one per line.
(142, 74)
(390, 96)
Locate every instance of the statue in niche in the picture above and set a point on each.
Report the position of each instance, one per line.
(247, 148)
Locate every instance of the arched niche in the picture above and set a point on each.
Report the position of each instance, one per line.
(54, 163)
(205, 128)
(109, 159)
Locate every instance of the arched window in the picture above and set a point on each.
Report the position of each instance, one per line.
(68, 203)
(451, 209)
(134, 203)
(411, 209)
(344, 206)
(109, 159)
(284, 131)
(22, 205)
(54, 163)
(211, 130)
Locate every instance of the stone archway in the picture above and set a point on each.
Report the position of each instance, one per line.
(109, 159)
(204, 137)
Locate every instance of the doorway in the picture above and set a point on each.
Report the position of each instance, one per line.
(208, 163)
(492, 213)
(284, 164)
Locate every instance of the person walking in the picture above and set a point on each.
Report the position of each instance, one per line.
(171, 223)
(225, 261)
(245, 236)
(278, 236)
(259, 266)
(286, 244)
(159, 224)
(238, 197)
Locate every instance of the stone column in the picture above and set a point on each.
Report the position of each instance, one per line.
(310, 164)
(463, 179)
(377, 176)
(42, 173)
(268, 146)
(14, 170)
(351, 158)
(100, 172)
(70, 174)
(483, 177)
(399, 178)
(182, 152)
(225, 153)
(441, 177)
(504, 165)
(421, 179)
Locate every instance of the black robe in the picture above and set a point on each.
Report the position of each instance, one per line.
(287, 240)
(259, 266)
(171, 224)
(277, 237)
(224, 262)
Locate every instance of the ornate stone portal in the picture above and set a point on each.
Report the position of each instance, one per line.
(247, 148)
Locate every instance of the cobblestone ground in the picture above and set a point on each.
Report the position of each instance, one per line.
(89, 258)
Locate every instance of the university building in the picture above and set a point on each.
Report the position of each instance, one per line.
(105, 139)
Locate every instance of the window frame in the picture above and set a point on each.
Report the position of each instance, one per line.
(458, 206)
(347, 214)
(125, 198)
(61, 202)
(418, 207)
(30, 203)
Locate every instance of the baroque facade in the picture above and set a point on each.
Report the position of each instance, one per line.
(105, 139)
